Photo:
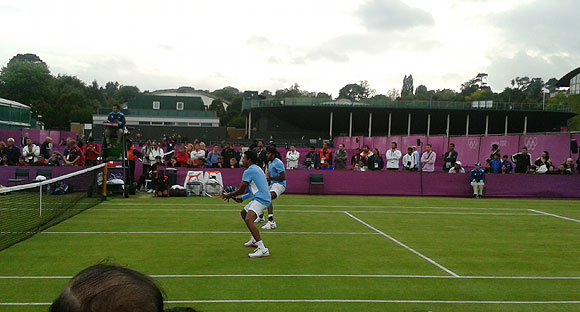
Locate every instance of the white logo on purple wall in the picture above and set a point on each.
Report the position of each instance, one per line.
(472, 143)
(531, 143)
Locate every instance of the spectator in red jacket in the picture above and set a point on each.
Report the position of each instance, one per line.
(182, 157)
(92, 151)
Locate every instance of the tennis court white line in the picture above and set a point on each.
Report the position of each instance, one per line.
(378, 276)
(208, 232)
(326, 301)
(329, 206)
(403, 245)
(319, 211)
(554, 215)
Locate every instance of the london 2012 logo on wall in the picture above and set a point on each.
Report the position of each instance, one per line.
(531, 143)
(473, 143)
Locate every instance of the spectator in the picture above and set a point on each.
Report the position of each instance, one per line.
(67, 146)
(147, 159)
(487, 166)
(308, 164)
(325, 154)
(428, 159)
(198, 156)
(118, 120)
(523, 160)
(55, 159)
(172, 163)
(273, 147)
(203, 148)
(326, 165)
(553, 170)
(292, 157)
(233, 163)
(409, 160)
(340, 158)
(506, 170)
(355, 158)
(361, 166)
(3, 160)
(30, 152)
(92, 151)
(108, 288)
(457, 168)
(365, 154)
(212, 156)
(22, 162)
(417, 158)
(46, 148)
(151, 174)
(449, 158)
(155, 151)
(161, 185)
(563, 171)
(507, 164)
(543, 161)
(496, 164)
(569, 165)
(393, 156)
(375, 161)
(261, 152)
(313, 156)
(477, 177)
(494, 150)
(220, 162)
(182, 157)
(132, 155)
(40, 161)
(2, 147)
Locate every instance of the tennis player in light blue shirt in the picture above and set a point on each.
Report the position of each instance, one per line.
(255, 183)
(277, 179)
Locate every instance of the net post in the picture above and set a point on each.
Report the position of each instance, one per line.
(40, 200)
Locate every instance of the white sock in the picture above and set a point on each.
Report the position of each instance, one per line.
(260, 245)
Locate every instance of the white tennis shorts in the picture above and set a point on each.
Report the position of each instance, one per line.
(256, 207)
(278, 189)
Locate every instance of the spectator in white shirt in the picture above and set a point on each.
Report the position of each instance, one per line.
(409, 161)
(457, 168)
(30, 151)
(155, 151)
(393, 156)
(428, 159)
(417, 158)
(292, 157)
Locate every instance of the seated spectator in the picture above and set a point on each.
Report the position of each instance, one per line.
(233, 163)
(523, 160)
(21, 162)
(92, 151)
(108, 288)
(507, 164)
(355, 158)
(292, 157)
(361, 166)
(182, 157)
(4, 160)
(543, 163)
(477, 177)
(75, 155)
(172, 163)
(392, 156)
(212, 156)
(563, 171)
(151, 174)
(506, 170)
(375, 162)
(553, 170)
(340, 158)
(409, 160)
(40, 161)
(220, 163)
(569, 165)
(313, 156)
(365, 154)
(30, 151)
(55, 159)
(495, 164)
(308, 164)
(457, 168)
(46, 148)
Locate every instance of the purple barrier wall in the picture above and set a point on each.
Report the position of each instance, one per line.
(382, 183)
(36, 135)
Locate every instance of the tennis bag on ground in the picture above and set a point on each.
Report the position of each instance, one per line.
(213, 187)
(194, 188)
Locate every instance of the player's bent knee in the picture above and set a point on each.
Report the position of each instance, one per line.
(243, 213)
(250, 217)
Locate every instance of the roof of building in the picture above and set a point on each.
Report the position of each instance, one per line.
(5, 102)
(565, 81)
(177, 114)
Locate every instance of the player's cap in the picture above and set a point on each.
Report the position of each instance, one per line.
(478, 164)
(458, 163)
(308, 159)
(11, 139)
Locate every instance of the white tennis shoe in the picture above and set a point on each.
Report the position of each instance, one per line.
(251, 243)
(270, 225)
(260, 220)
(260, 253)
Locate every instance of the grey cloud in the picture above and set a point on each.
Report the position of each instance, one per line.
(259, 41)
(388, 15)
(546, 26)
(374, 43)
(274, 60)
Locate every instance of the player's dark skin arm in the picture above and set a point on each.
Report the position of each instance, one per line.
(281, 177)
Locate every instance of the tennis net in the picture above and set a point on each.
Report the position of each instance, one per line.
(31, 208)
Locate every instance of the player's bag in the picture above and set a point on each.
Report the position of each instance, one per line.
(194, 188)
(213, 187)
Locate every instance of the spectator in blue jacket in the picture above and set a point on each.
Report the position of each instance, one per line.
(495, 164)
(477, 178)
(507, 164)
(115, 117)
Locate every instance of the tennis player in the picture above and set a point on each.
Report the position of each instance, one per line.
(258, 191)
(277, 180)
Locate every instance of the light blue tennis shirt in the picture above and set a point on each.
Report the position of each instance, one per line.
(258, 186)
(274, 168)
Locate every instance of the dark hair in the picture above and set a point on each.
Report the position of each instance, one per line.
(311, 146)
(105, 287)
(429, 145)
(251, 156)
(505, 156)
(494, 146)
(357, 149)
(525, 148)
(395, 144)
(452, 144)
(410, 148)
(271, 150)
(547, 154)
(116, 105)
(496, 154)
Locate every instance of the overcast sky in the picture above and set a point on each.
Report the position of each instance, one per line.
(322, 45)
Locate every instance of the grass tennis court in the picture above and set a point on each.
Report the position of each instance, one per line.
(329, 253)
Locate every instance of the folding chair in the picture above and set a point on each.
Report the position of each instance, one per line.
(316, 180)
(19, 174)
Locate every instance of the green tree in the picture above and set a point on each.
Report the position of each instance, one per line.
(408, 88)
(226, 93)
(356, 91)
(126, 93)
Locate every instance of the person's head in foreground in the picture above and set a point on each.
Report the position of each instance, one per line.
(457, 166)
(109, 288)
(477, 165)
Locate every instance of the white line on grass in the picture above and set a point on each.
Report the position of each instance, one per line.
(208, 232)
(329, 206)
(554, 215)
(325, 301)
(326, 276)
(317, 211)
(403, 245)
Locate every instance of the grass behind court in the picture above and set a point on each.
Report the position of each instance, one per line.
(493, 238)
